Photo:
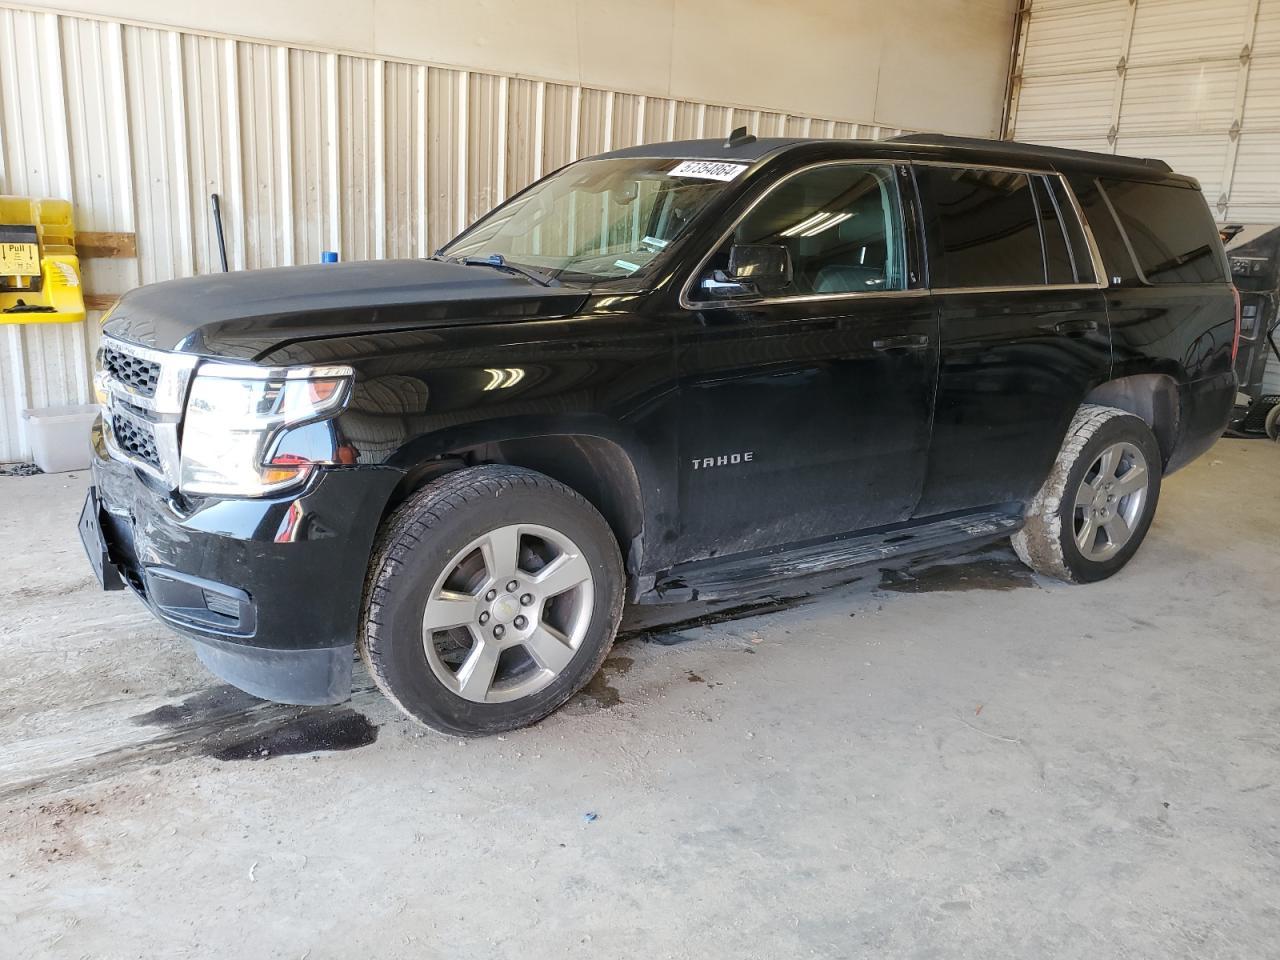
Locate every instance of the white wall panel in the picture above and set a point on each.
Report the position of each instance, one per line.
(39, 365)
(309, 150)
(404, 161)
(316, 176)
(155, 94)
(209, 145)
(1193, 82)
(840, 58)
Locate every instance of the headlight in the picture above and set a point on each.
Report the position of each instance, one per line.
(236, 411)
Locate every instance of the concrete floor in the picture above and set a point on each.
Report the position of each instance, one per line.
(959, 761)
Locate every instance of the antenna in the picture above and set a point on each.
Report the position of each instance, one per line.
(739, 138)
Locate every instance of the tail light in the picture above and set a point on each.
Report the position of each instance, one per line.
(1235, 340)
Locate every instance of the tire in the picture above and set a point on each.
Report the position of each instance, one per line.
(1078, 534)
(1272, 424)
(515, 655)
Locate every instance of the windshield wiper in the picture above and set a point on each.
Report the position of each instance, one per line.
(499, 262)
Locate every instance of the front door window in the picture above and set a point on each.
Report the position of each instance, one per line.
(840, 225)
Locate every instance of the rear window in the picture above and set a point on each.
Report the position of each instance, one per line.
(1170, 231)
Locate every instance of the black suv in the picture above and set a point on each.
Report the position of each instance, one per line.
(675, 371)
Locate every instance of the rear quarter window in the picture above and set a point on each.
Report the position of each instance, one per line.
(1114, 251)
(1170, 231)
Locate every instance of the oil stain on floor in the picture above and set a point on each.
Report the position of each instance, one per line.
(203, 706)
(310, 732)
(992, 570)
(600, 690)
(228, 724)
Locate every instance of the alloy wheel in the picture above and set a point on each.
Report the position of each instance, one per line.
(1110, 501)
(508, 613)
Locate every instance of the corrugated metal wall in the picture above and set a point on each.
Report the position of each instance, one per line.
(309, 151)
(1193, 82)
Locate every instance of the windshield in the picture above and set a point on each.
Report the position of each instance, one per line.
(598, 219)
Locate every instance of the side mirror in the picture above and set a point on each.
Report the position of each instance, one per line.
(754, 269)
(767, 265)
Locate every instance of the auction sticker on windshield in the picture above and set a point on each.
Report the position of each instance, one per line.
(707, 169)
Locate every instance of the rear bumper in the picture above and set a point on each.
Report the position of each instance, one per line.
(268, 589)
(1206, 407)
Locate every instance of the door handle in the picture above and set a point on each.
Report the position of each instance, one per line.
(1075, 326)
(905, 342)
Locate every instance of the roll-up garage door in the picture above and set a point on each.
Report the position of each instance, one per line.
(1193, 82)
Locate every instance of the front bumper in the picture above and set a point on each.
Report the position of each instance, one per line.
(268, 589)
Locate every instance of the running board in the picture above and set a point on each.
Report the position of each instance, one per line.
(720, 579)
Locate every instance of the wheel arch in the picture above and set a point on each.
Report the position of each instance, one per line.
(1154, 397)
(599, 460)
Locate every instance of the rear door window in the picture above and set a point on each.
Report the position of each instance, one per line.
(1170, 231)
(984, 230)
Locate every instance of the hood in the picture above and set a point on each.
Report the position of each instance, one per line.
(250, 312)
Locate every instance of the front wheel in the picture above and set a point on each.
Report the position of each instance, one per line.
(493, 596)
(1096, 506)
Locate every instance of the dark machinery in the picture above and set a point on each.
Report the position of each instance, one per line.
(1255, 268)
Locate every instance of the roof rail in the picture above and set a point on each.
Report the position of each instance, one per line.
(1029, 149)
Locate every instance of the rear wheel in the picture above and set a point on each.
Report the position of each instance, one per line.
(493, 596)
(1097, 504)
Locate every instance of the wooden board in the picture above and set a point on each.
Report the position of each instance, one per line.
(100, 301)
(91, 246)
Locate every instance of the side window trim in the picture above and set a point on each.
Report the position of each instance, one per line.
(1059, 195)
(905, 232)
(1044, 245)
(1124, 234)
(1100, 275)
(919, 280)
(913, 217)
(1062, 228)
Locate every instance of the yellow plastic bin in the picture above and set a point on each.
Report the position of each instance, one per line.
(59, 436)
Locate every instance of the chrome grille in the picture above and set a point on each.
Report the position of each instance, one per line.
(142, 376)
(135, 437)
(145, 393)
